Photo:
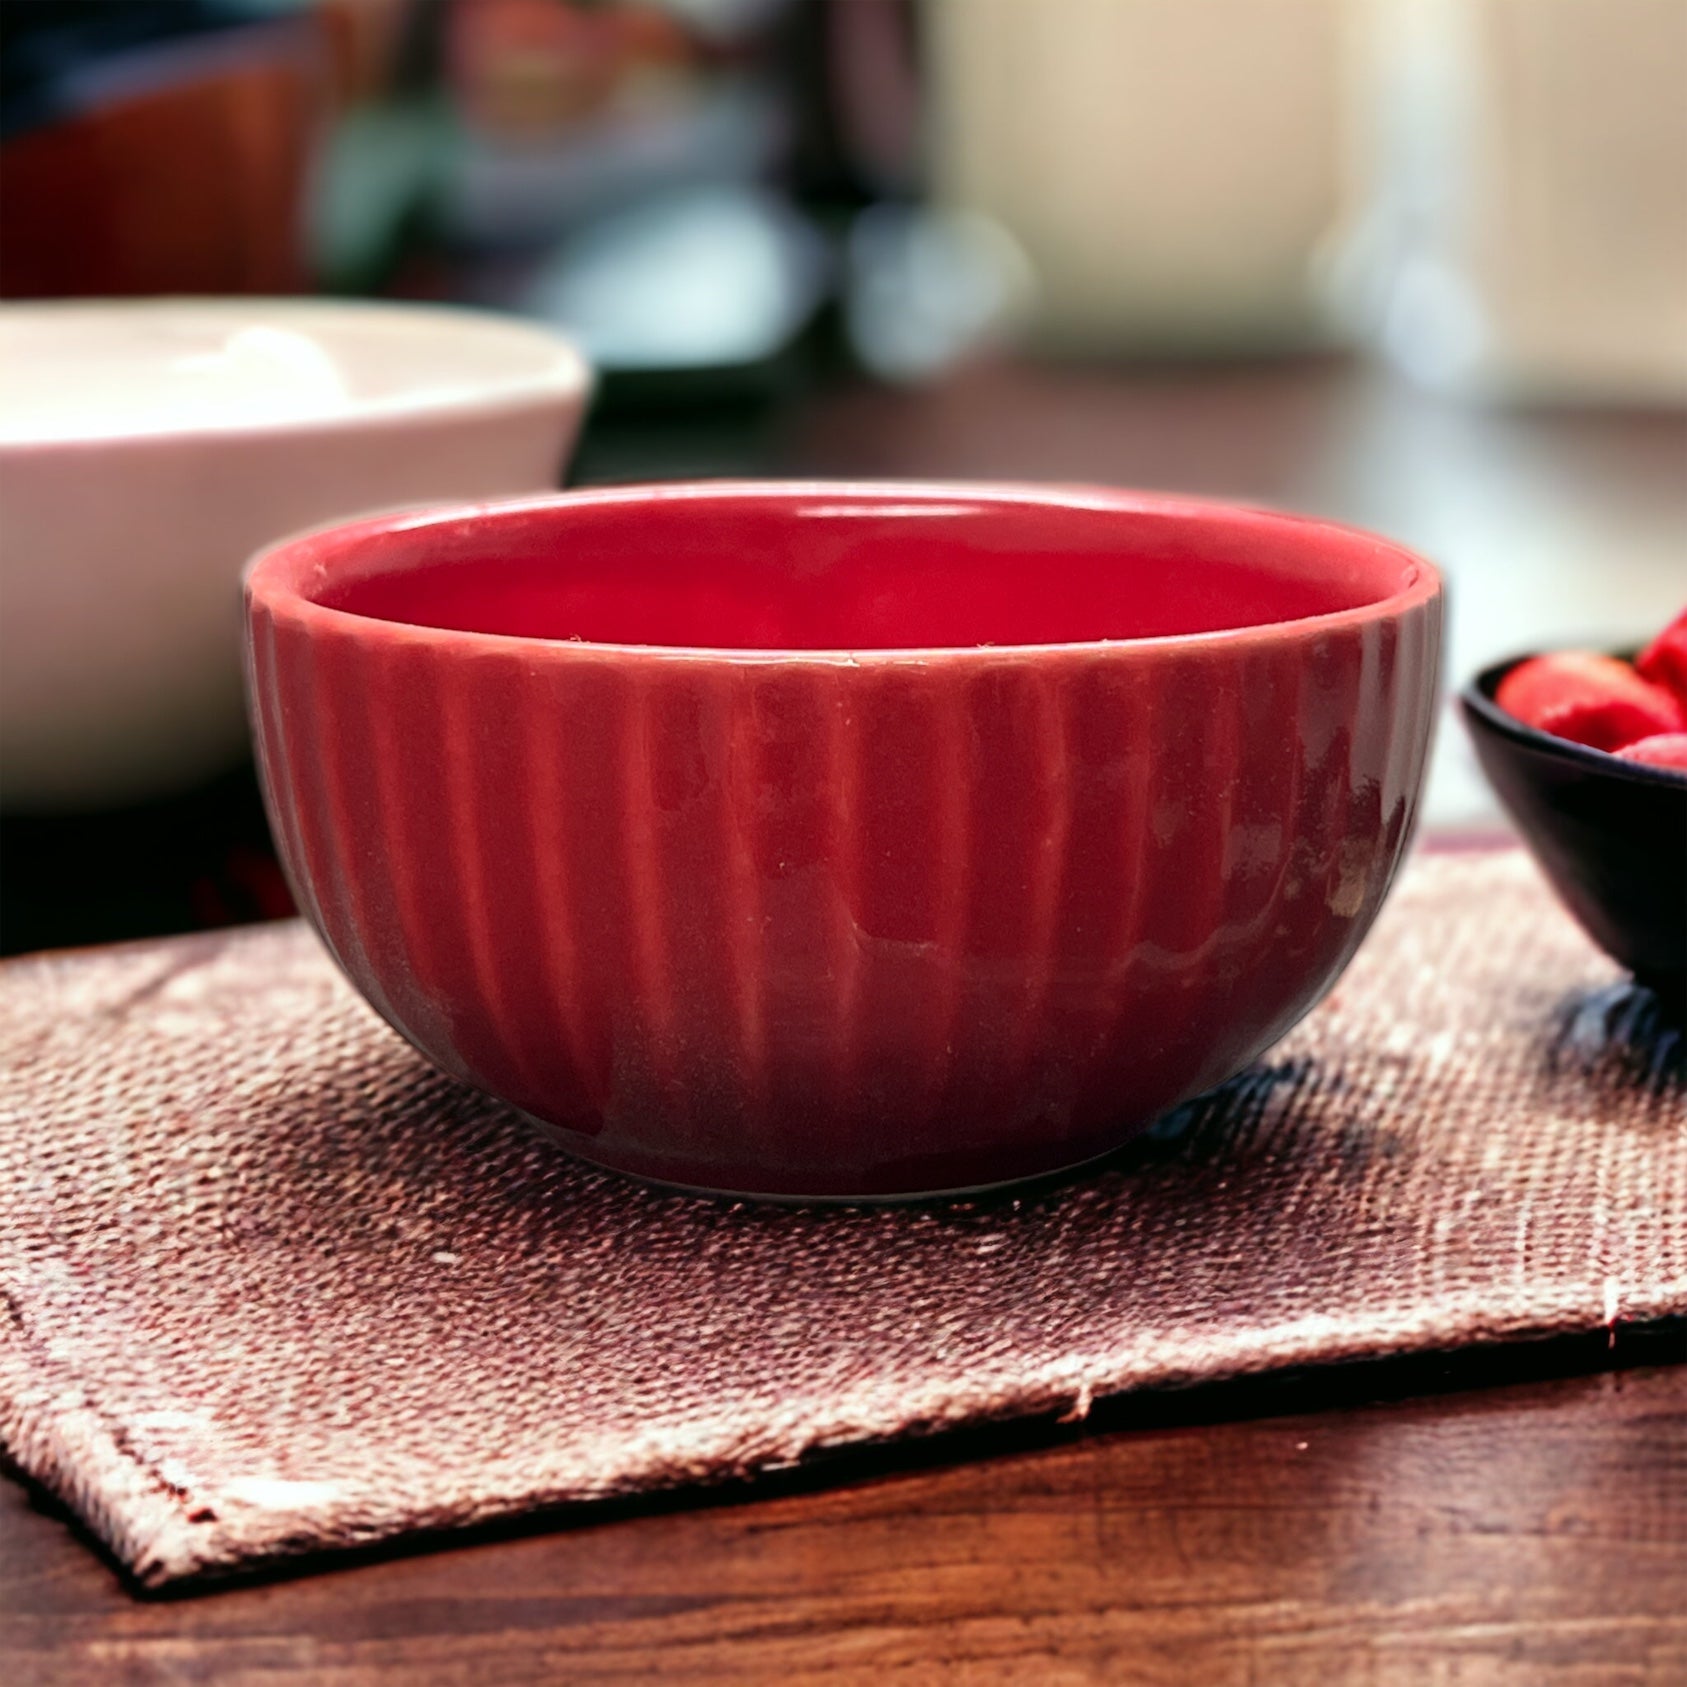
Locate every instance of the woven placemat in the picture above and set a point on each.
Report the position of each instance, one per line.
(274, 1285)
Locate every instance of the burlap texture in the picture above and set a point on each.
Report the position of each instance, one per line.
(274, 1285)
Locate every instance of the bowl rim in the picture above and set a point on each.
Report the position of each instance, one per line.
(275, 577)
(559, 370)
(1476, 697)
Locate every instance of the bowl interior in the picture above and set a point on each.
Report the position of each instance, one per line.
(855, 568)
(115, 369)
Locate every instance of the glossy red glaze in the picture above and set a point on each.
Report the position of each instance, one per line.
(741, 833)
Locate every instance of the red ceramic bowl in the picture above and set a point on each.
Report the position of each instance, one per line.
(846, 840)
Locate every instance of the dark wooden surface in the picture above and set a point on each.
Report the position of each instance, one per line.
(1325, 1530)
(1511, 1518)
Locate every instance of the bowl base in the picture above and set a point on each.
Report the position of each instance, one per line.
(1023, 1184)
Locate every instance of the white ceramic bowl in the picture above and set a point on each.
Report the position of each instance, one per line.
(148, 448)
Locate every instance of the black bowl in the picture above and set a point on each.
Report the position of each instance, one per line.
(1611, 835)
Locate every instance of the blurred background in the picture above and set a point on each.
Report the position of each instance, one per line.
(1416, 264)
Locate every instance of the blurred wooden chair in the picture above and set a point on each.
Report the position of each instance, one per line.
(186, 176)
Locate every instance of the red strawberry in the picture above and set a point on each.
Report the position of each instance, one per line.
(1664, 660)
(1662, 749)
(1596, 700)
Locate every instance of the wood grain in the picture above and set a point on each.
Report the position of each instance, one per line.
(1532, 1533)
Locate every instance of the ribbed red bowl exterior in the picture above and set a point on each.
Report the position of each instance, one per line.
(802, 925)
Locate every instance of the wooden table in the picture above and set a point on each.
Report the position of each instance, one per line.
(1502, 1517)
(1321, 1530)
